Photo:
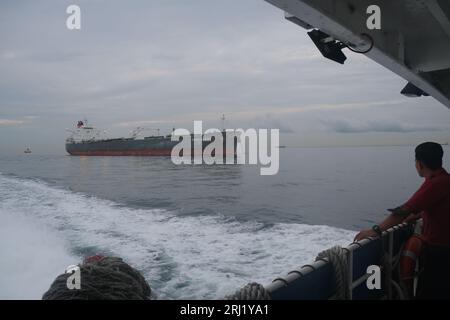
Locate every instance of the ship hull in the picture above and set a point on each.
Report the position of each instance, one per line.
(122, 153)
(160, 146)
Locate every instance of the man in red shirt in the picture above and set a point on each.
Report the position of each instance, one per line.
(432, 203)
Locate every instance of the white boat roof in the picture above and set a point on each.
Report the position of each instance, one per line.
(414, 41)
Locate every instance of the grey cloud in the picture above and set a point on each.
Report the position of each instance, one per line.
(56, 57)
(166, 60)
(349, 126)
(10, 122)
(270, 121)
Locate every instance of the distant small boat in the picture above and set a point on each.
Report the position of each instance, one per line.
(27, 150)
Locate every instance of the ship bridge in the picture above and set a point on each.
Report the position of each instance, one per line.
(413, 42)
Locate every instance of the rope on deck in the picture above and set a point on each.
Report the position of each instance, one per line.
(337, 256)
(102, 278)
(252, 291)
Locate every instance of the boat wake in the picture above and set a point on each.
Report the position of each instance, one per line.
(44, 229)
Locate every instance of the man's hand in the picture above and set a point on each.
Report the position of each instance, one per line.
(412, 217)
(365, 234)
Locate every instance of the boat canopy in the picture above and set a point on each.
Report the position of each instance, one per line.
(413, 42)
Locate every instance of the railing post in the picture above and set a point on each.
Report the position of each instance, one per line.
(390, 252)
(350, 273)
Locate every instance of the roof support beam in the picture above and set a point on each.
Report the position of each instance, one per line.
(436, 9)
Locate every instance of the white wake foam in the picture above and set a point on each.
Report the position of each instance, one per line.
(44, 229)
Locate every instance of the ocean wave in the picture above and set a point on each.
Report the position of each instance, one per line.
(196, 257)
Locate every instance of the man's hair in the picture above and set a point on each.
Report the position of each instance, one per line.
(430, 154)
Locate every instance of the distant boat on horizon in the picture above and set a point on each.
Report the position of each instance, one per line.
(27, 150)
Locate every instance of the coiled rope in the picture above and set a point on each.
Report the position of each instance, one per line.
(102, 278)
(252, 291)
(337, 256)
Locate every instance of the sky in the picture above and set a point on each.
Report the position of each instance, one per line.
(165, 63)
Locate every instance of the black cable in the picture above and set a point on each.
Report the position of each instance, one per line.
(372, 43)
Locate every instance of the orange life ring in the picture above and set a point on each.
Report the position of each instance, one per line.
(408, 261)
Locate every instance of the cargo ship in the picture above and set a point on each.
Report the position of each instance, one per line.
(87, 141)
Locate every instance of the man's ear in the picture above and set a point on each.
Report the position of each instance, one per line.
(421, 166)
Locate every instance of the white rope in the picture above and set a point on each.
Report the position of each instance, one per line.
(338, 258)
(252, 291)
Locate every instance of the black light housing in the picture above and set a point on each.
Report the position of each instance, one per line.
(412, 91)
(330, 48)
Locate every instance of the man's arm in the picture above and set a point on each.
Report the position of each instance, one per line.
(397, 216)
(424, 198)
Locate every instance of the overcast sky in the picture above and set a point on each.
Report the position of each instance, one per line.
(166, 63)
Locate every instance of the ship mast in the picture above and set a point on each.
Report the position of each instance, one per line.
(223, 122)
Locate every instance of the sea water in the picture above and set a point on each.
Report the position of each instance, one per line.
(197, 232)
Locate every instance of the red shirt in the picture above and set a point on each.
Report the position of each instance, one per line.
(432, 200)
